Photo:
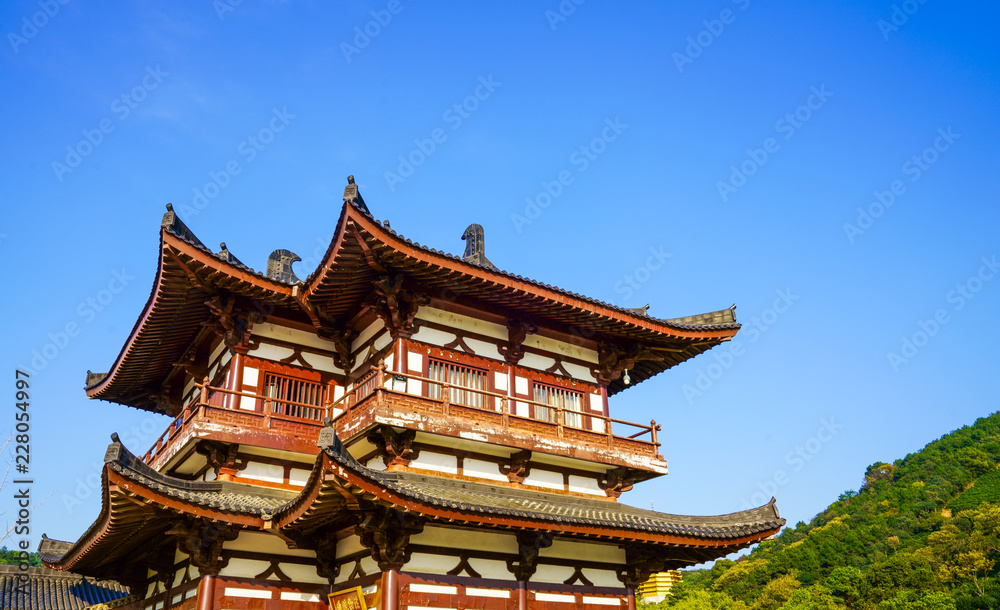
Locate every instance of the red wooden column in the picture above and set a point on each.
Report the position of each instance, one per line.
(522, 595)
(631, 599)
(390, 590)
(206, 592)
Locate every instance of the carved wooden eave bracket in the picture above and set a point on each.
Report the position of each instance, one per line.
(330, 329)
(640, 564)
(614, 359)
(517, 332)
(519, 467)
(222, 458)
(617, 481)
(202, 541)
(396, 305)
(529, 544)
(395, 448)
(386, 533)
(232, 323)
(325, 546)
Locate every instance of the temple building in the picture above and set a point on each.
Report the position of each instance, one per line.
(403, 428)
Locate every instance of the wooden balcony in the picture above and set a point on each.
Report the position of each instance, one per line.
(382, 398)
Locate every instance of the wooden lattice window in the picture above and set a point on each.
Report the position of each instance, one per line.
(282, 389)
(570, 401)
(460, 376)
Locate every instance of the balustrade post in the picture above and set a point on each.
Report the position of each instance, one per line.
(446, 397)
(379, 382)
(204, 390)
(559, 421)
(505, 411)
(653, 429)
(611, 435)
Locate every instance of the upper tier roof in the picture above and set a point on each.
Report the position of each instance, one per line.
(189, 275)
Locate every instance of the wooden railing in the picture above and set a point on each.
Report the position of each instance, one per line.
(376, 381)
(210, 397)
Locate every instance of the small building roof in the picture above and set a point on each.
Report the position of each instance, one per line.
(49, 589)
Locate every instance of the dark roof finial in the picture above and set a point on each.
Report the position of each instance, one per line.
(475, 246)
(279, 266)
(353, 196)
(172, 223)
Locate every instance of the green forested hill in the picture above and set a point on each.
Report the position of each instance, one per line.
(922, 532)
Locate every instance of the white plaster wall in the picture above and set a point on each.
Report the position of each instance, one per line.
(585, 485)
(544, 478)
(264, 543)
(349, 546)
(298, 476)
(437, 462)
(484, 349)
(376, 463)
(244, 568)
(272, 473)
(250, 377)
(462, 322)
(271, 352)
(570, 549)
(520, 384)
(454, 538)
(534, 361)
(603, 578)
(579, 372)
(561, 347)
(433, 336)
(554, 574)
(366, 334)
(302, 573)
(415, 362)
(482, 469)
(500, 382)
(430, 564)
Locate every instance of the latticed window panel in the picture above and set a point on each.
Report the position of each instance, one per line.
(286, 390)
(570, 401)
(460, 376)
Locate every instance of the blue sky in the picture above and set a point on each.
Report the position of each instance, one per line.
(736, 141)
